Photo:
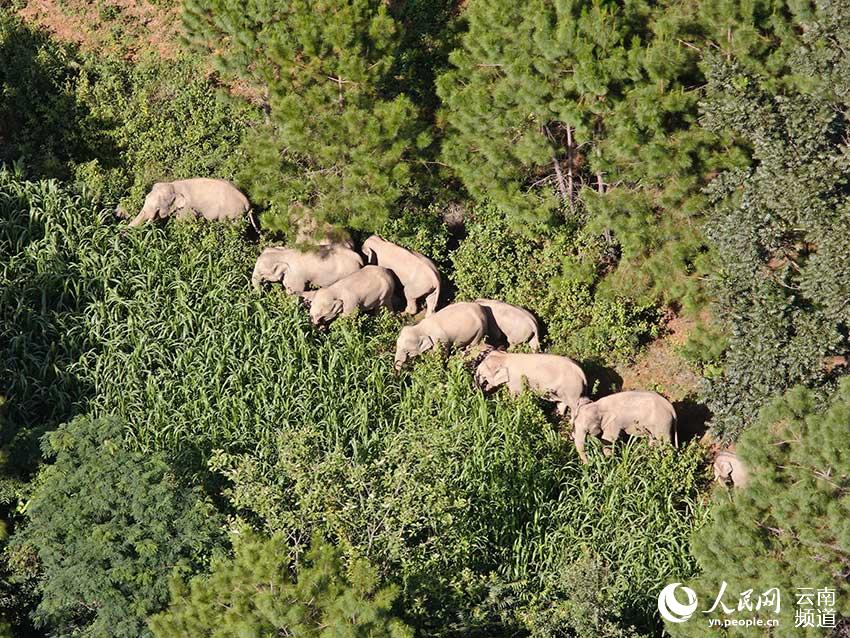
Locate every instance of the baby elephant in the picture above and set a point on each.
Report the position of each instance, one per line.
(458, 325)
(417, 274)
(298, 270)
(637, 413)
(728, 468)
(213, 199)
(515, 323)
(366, 289)
(556, 378)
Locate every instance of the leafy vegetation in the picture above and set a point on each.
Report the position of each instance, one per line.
(254, 594)
(107, 524)
(606, 165)
(788, 528)
(780, 228)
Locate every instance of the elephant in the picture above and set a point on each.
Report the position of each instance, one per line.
(517, 324)
(634, 412)
(213, 199)
(300, 269)
(729, 468)
(417, 274)
(366, 289)
(556, 378)
(458, 325)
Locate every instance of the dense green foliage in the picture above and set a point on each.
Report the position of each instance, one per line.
(552, 102)
(781, 228)
(788, 528)
(112, 127)
(554, 154)
(253, 594)
(339, 138)
(540, 273)
(107, 525)
(316, 433)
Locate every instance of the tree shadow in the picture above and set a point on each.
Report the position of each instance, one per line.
(602, 380)
(42, 124)
(692, 419)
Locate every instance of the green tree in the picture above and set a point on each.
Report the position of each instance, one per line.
(586, 107)
(781, 229)
(339, 140)
(788, 527)
(108, 525)
(258, 593)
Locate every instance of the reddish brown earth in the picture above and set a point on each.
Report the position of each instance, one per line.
(128, 27)
(662, 369)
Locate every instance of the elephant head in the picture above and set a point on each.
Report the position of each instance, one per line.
(324, 307)
(411, 342)
(490, 373)
(723, 471)
(161, 201)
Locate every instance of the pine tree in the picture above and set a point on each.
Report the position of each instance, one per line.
(254, 594)
(338, 141)
(108, 524)
(788, 528)
(781, 229)
(577, 106)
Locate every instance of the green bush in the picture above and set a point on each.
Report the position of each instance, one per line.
(258, 593)
(456, 496)
(788, 527)
(162, 120)
(113, 127)
(543, 274)
(108, 525)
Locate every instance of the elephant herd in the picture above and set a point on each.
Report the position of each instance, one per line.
(334, 279)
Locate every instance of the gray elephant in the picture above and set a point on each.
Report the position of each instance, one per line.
(213, 199)
(367, 289)
(729, 468)
(417, 274)
(299, 270)
(636, 412)
(517, 324)
(557, 378)
(458, 325)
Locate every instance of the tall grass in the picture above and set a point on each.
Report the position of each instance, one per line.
(478, 506)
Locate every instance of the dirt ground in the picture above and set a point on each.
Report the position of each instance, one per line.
(128, 27)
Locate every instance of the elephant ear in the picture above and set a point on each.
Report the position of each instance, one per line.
(425, 343)
(179, 202)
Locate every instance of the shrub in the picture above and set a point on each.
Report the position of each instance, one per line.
(780, 229)
(453, 495)
(258, 593)
(542, 274)
(161, 120)
(108, 525)
(340, 139)
(788, 527)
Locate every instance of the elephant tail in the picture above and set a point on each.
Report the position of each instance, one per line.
(676, 433)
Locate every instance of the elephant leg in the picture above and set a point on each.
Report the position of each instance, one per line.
(431, 303)
(561, 406)
(411, 308)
